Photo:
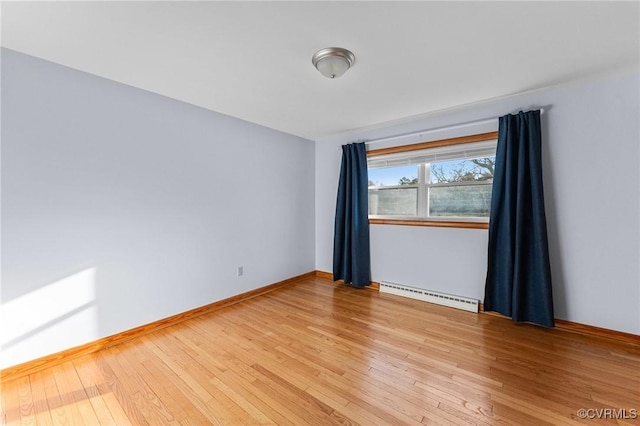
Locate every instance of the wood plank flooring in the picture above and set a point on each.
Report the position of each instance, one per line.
(318, 353)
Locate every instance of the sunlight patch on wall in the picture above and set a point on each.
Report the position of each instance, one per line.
(52, 318)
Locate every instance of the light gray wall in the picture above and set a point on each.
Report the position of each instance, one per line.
(591, 156)
(121, 207)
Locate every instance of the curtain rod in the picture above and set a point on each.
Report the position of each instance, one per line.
(437, 129)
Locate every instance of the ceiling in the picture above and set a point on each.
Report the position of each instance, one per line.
(252, 60)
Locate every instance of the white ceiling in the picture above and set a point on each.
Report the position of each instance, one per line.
(252, 60)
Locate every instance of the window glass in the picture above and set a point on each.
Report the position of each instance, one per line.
(393, 191)
(393, 176)
(460, 200)
(463, 170)
(461, 188)
(393, 201)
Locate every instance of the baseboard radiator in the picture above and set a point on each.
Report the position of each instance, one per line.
(430, 296)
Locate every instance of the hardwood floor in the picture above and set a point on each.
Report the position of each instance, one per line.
(319, 353)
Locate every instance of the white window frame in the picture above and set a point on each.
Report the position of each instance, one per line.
(422, 155)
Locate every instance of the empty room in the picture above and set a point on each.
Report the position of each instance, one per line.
(320, 212)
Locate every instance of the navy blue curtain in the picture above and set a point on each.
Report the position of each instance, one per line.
(518, 281)
(351, 254)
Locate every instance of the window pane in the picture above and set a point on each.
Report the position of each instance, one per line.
(393, 201)
(462, 200)
(393, 176)
(475, 169)
(393, 191)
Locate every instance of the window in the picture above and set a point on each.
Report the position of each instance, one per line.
(439, 183)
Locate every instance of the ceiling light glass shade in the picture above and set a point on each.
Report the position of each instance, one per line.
(332, 62)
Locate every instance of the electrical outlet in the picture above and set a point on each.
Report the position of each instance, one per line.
(240, 271)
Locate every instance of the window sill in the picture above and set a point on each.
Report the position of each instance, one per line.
(426, 222)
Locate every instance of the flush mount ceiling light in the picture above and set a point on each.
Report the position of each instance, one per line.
(332, 62)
